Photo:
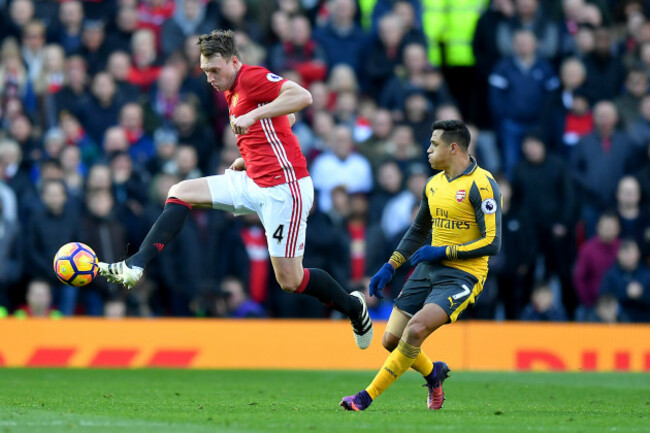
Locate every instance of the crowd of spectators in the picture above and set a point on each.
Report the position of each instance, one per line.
(103, 107)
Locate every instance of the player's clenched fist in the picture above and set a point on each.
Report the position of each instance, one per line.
(429, 254)
(241, 124)
(380, 279)
(238, 165)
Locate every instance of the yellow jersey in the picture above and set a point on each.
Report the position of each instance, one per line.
(463, 214)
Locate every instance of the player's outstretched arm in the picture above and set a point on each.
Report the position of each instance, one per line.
(415, 236)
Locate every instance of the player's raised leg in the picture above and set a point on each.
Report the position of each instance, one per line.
(315, 282)
(181, 198)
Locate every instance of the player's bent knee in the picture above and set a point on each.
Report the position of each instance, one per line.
(289, 288)
(416, 332)
(288, 273)
(178, 190)
(288, 284)
(389, 341)
(195, 192)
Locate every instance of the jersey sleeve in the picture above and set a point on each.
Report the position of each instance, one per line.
(261, 85)
(486, 200)
(417, 233)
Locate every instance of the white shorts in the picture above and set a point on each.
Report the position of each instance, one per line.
(283, 209)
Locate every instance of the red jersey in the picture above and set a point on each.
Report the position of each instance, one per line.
(270, 150)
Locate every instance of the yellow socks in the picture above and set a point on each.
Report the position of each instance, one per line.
(423, 364)
(396, 364)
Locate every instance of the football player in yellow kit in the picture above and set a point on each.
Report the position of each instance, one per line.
(461, 209)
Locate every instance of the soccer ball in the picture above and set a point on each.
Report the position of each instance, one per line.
(75, 264)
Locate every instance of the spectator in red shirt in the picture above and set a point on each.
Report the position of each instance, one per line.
(596, 256)
(300, 53)
(39, 301)
(144, 70)
(153, 13)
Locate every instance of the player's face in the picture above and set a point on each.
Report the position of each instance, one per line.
(220, 72)
(439, 152)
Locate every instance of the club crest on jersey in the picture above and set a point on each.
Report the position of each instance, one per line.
(460, 195)
(273, 78)
(234, 99)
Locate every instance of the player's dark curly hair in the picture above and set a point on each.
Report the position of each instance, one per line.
(220, 42)
(455, 131)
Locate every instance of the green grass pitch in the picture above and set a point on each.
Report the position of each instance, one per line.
(77, 400)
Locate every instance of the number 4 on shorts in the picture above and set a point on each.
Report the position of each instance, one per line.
(277, 234)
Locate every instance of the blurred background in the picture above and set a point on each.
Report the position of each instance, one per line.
(103, 107)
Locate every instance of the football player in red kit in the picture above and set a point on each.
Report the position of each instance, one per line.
(270, 179)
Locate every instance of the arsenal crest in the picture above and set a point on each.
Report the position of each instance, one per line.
(460, 195)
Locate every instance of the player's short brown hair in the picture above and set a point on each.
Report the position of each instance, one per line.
(455, 131)
(220, 42)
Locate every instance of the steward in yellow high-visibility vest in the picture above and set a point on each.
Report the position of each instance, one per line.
(451, 23)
